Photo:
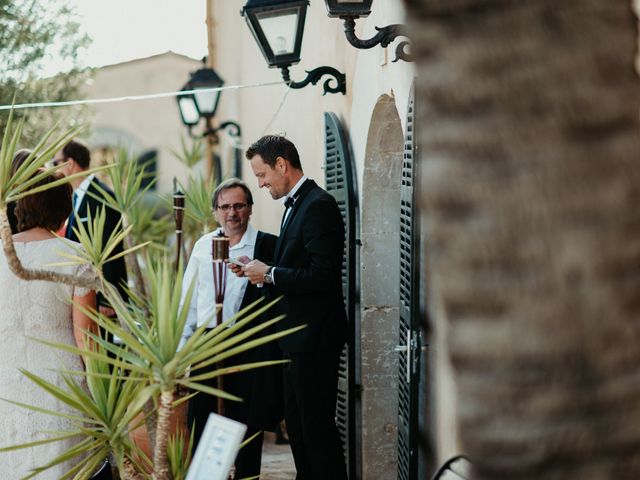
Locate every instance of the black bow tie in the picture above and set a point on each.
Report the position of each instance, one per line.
(288, 203)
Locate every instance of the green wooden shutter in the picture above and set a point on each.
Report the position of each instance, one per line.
(409, 341)
(341, 184)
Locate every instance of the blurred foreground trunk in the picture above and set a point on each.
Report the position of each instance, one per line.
(529, 137)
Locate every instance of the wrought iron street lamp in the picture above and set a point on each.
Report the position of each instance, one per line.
(350, 10)
(201, 101)
(278, 27)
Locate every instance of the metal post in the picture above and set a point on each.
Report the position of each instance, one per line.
(211, 60)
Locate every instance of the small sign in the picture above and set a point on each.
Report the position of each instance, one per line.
(217, 449)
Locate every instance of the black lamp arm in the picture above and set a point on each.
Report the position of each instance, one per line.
(313, 76)
(233, 128)
(384, 37)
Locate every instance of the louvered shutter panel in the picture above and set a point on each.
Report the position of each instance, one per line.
(409, 311)
(340, 183)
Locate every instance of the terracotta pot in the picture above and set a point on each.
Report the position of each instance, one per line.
(141, 438)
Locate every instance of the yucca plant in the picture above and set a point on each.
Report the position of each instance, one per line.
(126, 178)
(91, 248)
(18, 184)
(151, 344)
(106, 406)
(149, 365)
(198, 190)
(199, 212)
(151, 225)
(180, 453)
(190, 154)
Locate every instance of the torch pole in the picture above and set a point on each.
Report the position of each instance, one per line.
(178, 217)
(219, 253)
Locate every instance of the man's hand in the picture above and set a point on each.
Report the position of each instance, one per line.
(237, 269)
(255, 270)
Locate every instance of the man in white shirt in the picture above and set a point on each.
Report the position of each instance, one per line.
(261, 389)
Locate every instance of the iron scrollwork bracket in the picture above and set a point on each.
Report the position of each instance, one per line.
(314, 76)
(384, 37)
(232, 127)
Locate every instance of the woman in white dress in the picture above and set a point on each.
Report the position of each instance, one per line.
(42, 310)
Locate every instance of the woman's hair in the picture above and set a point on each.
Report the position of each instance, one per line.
(47, 209)
(19, 158)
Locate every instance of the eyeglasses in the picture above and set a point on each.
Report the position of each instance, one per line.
(58, 161)
(236, 206)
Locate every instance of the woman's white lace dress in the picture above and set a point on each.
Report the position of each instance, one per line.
(42, 310)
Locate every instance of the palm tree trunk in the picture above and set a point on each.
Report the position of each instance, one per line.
(129, 471)
(160, 460)
(529, 136)
(151, 422)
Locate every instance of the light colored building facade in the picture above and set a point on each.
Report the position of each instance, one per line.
(142, 126)
(374, 115)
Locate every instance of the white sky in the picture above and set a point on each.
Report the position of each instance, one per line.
(123, 30)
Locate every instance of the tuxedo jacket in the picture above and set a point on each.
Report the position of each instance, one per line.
(115, 272)
(308, 272)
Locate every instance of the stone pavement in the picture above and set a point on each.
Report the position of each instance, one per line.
(277, 461)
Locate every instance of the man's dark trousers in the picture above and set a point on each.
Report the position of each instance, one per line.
(310, 383)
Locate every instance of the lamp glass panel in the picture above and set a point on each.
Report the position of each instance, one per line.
(206, 101)
(188, 110)
(280, 29)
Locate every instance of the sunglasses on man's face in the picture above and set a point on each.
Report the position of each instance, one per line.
(58, 161)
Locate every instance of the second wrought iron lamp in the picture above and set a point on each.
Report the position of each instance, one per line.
(351, 10)
(202, 102)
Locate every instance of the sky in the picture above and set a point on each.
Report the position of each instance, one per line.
(127, 29)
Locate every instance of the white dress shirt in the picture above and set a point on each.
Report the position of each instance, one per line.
(287, 212)
(82, 188)
(292, 194)
(80, 192)
(202, 308)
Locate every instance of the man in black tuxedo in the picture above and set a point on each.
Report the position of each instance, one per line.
(307, 270)
(88, 200)
(261, 389)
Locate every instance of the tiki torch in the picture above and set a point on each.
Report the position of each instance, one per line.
(219, 253)
(178, 217)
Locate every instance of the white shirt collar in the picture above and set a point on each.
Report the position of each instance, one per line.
(295, 188)
(80, 192)
(84, 186)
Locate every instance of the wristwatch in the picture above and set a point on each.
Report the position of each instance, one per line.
(268, 276)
